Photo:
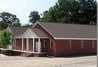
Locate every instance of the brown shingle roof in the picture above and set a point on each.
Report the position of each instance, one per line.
(18, 30)
(70, 30)
(39, 33)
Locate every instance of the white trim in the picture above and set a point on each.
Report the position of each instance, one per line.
(33, 44)
(29, 34)
(35, 24)
(22, 43)
(15, 43)
(44, 28)
(63, 38)
(39, 45)
(77, 38)
(36, 46)
(93, 44)
(82, 44)
(43, 37)
(27, 44)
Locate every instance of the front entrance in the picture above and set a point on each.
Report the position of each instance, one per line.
(37, 46)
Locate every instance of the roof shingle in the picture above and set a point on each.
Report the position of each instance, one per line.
(59, 30)
(16, 31)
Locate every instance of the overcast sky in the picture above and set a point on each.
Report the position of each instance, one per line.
(22, 8)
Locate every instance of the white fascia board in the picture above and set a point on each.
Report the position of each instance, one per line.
(27, 34)
(46, 30)
(75, 38)
(35, 24)
(43, 37)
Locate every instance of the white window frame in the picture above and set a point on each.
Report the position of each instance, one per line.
(82, 44)
(93, 44)
(70, 44)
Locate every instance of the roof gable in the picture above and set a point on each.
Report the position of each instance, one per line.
(62, 31)
(16, 31)
(29, 34)
(26, 32)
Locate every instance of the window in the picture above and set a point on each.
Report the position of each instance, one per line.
(82, 44)
(51, 43)
(44, 43)
(93, 44)
(70, 44)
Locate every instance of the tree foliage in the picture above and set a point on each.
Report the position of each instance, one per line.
(8, 19)
(16, 24)
(5, 38)
(3, 25)
(34, 16)
(72, 11)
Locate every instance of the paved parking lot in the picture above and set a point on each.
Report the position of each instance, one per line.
(16, 61)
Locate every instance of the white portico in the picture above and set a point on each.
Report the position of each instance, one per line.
(29, 41)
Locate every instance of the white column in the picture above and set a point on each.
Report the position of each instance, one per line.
(33, 44)
(39, 45)
(15, 44)
(27, 44)
(22, 43)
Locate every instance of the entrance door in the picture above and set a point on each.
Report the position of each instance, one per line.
(37, 46)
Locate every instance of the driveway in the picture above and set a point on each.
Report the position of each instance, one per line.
(16, 61)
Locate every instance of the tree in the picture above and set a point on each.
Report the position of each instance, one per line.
(89, 11)
(34, 16)
(73, 11)
(3, 25)
(5, 38)
(8, 19)
(16, 24)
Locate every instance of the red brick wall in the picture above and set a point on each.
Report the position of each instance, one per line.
(44, 48)
(88, 47)
(62, 47)
(30, 44)
(43, 30)
(94, 50)
(76, 47)
(24, 47)
(50, 51)
(18, 44)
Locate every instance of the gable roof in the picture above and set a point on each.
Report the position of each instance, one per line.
(58, 30)
(16, 31)
(39, 33)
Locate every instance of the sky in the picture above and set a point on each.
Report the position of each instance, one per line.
(22, 8)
